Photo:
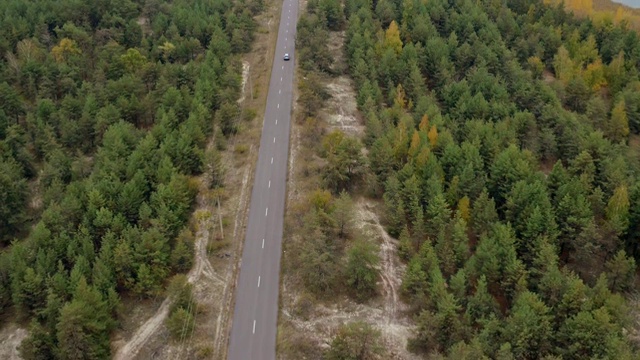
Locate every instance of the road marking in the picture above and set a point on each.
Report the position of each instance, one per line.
(254, 326)
(269, 184)
(279, 91)
(263, 243)
(280, 78)
(274, 140)
(276, 121)
(283, 65)
(266, 211)
(272, 160)
(285, 39)
(278, 106)
(258, 280)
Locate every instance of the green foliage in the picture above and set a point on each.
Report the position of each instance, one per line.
(344, 160)
(102, 125)
(13, 198)
(460, 104)
(82, 331)
(361, 270)
(356, 341)
(181, 314)
(180, 324)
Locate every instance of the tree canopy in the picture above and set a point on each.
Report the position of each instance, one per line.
(504, 137)
(105, 111)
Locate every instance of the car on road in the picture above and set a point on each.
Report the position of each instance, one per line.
(286, 57)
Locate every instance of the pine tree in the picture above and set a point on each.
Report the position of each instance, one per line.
(483, 214)
(620, 271)
(392, 38)
(618, 128)
(617, 211)
(83, 329)
(528, 327)
(482, 304)
(361, 269)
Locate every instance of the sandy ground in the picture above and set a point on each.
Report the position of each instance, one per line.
(11, 336)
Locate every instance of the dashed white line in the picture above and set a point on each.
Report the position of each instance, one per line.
(263, 243)
(269, 184)
(285, 39)
(258, 280)
(254, 326)
(276, 121)
(266, 211)
(278, 106)
(279, 91)
(272, 160)
(274, 140)
(283, 65)
(280, 78)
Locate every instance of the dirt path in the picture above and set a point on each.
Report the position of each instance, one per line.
(389, 272)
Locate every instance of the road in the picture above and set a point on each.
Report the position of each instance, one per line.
(255, 317)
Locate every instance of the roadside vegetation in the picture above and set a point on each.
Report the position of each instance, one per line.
(106, 109)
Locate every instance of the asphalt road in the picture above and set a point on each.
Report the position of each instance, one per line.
(255, 317)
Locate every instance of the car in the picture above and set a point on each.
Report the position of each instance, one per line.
(286, 57)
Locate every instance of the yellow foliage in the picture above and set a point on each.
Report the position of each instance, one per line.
(64, 48)
(392, 37)
(621, 15)
(423, 157)
(424, 123)
(202, 215)
(167, 49)
(400, 97)
(584, 7)
(320, 199)
(433, 136)
(415, 144)
(619, 125)
(463, 207)
(536, 66)
(594, 75)
(331, 141)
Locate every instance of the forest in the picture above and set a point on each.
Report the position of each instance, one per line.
(503, 139)
(106, 111)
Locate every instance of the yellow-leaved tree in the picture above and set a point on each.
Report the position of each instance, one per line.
(618, 128)
(594, 75)
(65, 48)
(392, 37)
(433, 136)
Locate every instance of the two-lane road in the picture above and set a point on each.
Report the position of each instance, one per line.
(253, 333)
